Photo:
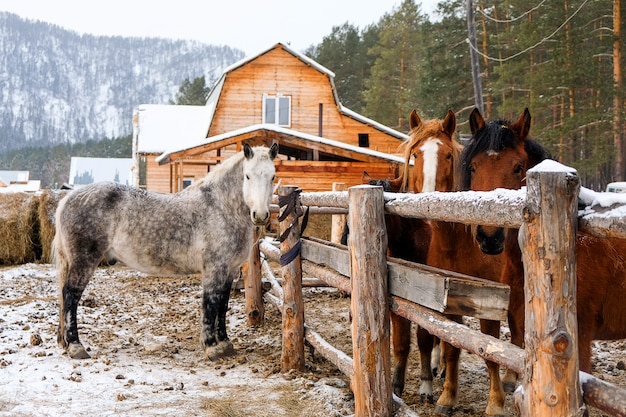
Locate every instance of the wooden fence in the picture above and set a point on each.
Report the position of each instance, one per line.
(546, 214)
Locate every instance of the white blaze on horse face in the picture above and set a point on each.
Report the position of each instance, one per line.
(258, 185)
(429, 151)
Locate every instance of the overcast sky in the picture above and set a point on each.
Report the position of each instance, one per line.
(249, 25)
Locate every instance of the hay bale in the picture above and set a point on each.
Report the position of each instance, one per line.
(48, 202)
(18, 228)
(319, 226)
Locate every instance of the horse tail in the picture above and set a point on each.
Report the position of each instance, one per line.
(58, 256)
(59, 259)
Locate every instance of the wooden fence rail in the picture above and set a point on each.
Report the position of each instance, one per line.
(548, 219)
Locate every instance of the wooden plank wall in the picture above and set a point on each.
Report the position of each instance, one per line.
(158, 176)
(279, 72)
(314, 176)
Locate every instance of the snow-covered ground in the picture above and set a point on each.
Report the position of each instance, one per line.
(143, 331)
(146, 360)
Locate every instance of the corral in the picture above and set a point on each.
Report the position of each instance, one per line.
(545, 363)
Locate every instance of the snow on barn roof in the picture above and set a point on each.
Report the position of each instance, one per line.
(14, 176)
(89, 170)
(164, 158)
(19, 187)
(160, 125)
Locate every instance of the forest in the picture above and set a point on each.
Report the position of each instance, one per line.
(562, 60)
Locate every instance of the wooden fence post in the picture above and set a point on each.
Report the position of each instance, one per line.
(338, 221)
(293, 305)
(551, 385)
(371, 382)
(253, 288)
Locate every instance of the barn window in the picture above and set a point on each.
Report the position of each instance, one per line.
(364, 140)
(277, 109)
(187, 181)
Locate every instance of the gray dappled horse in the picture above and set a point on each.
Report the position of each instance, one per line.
(206, 228)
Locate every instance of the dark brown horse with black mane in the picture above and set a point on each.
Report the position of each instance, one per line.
(498, 156)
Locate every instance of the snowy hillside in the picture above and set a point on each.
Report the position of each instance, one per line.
(59, 86)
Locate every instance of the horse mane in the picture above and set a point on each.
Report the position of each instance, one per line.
(494, 136)
(418, 135)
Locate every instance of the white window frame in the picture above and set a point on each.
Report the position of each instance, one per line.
(278, 111)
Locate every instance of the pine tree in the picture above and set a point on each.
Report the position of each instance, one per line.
(392, 90)
(192, 93)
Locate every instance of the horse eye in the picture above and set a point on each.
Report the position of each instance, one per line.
(415, 155)
(518, 169)
(471, 169)
(449, 156)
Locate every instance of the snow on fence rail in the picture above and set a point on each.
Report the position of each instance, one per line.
(548, 191)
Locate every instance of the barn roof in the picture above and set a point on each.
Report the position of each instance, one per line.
(263, 133)
(157, 124)
(216, 91)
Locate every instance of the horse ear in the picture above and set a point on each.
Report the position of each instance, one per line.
(449, 123)
(365, 178)
(522, 126)
(476, 121)
(247, 151)
(273, 150)
(414, 120)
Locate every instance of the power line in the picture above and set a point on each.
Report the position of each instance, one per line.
(547, 38)
(493, 19)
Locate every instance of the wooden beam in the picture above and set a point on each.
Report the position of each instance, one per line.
(253, 287)
(443, 291)
(548, 239)
(371, 381)
(293, 309)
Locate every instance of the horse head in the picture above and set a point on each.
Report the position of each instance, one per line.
(258, 181)
(497, 156)
(434, 153)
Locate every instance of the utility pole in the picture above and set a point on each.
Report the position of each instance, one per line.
(471, 35)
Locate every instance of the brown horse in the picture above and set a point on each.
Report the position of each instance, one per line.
(452, 246)
(498, 156)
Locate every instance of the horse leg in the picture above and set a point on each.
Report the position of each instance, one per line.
(516, 325)
(401, 340)
(425, 342)
(214, 306)
(437, 363)
(73, 281)
(448, 398)
(495, 400)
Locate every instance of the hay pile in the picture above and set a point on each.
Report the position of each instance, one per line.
(19, 228)
(27, 226)
(48, 202)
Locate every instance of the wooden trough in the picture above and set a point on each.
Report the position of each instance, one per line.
(372, 297)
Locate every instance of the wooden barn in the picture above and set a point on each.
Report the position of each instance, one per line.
(278, 96)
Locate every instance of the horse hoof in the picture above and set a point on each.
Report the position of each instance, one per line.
(221, 350)
(443, 410)
(77, 351)
(427, 398)
(508, 387)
